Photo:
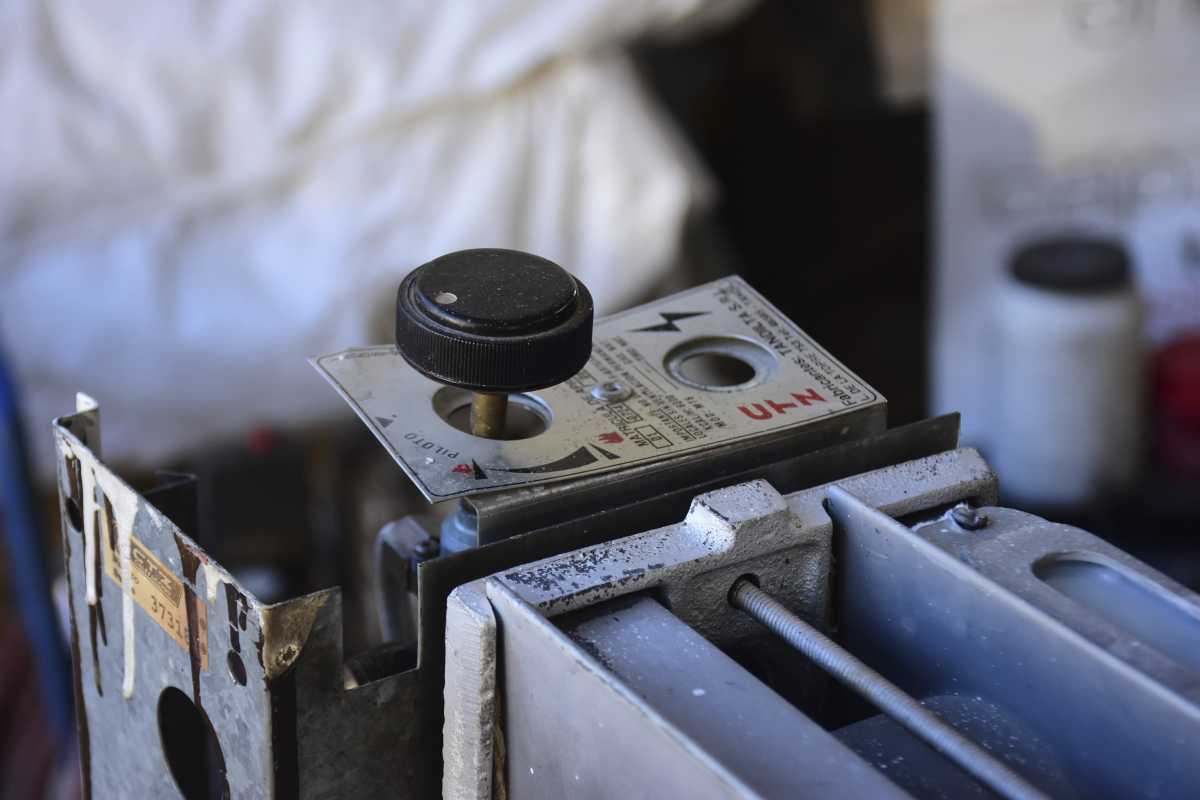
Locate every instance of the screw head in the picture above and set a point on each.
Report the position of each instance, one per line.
(611, 392)
(968, 518)
(426, 549)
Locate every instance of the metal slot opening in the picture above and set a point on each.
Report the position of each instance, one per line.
(1125, 601)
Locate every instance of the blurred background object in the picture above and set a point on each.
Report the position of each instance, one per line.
(1073, 115)
(36, 696)
(1073, 118)
(1068, 371)
(1177, 398)
(196, 197)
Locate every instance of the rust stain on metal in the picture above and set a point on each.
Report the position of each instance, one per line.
(96, 618)
(285, 630)
(189, 562)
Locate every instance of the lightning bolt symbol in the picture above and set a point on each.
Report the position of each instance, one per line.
(669, 320)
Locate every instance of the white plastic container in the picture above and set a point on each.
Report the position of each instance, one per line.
(1069, 380)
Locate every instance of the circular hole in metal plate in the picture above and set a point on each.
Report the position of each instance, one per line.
(720, 363)
(527, 415)
(190, 746)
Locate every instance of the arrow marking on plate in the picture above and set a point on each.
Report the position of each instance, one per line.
(605, 453)
(580, 458)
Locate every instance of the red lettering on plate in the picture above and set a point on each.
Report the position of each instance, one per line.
(758, 413)
(810, 396)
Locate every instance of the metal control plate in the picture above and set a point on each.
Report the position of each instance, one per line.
(649, 392)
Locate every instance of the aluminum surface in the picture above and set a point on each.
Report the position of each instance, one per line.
(765, 742)
(885, 695)
(670, 411)
(926, 774)
(665, 497)
(748, 528)
(618, 747)
(943, 611)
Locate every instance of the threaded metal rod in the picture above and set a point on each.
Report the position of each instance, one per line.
(888, 697)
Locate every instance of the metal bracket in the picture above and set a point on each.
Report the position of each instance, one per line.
(746, 529)
(178, 665)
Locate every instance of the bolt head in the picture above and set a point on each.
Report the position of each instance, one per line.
(968, 518)
(426, 549)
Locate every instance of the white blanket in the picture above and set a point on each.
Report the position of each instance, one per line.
(196, 196)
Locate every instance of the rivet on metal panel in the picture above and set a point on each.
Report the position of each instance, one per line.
(611, 392)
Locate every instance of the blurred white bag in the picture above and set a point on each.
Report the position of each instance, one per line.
(1060, 116)
(195, 196)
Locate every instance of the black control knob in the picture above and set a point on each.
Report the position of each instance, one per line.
(493, 321)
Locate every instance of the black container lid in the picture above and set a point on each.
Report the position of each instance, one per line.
(1072, 264)
(494, 320)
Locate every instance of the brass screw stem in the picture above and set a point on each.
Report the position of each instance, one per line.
(489, 414)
